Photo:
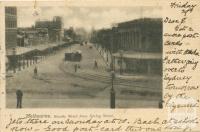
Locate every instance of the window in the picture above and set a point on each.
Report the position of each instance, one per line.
(11, 24)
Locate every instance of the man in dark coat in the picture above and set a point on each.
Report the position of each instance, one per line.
(95, 64)
(35, 71)
(19, 95)
(75, 67)
(160, 104)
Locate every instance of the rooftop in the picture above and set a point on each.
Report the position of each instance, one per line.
(140, 21)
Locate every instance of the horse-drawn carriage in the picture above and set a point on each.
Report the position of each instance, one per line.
(73, 56)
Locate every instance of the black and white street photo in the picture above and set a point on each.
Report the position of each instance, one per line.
(83, 57)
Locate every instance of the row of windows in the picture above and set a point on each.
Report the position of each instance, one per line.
(137, 41)
(129, 40)
(11, 10)
(11, 39)
(11, 24)
(141, 66)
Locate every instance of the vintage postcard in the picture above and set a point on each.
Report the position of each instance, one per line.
(96, 66)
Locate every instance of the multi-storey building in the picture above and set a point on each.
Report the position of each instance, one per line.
(138, 45)
(135, 46)
(10, 27)
(55, 28)
(32, 36)
(10, 36)
(139, 35)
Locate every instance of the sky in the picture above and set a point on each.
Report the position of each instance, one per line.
(87, 17)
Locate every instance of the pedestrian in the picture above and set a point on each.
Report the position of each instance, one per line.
(35, 71)
(19, 95)
(79, 66)
(95, 64)
(160, 104)
(75, 68)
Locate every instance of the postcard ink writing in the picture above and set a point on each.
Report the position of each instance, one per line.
(180, 63)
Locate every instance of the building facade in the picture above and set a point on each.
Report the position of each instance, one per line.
(139, 35)
(10, 36)
(55, 28)
(137, 46)
(10, 27)
(31, 36)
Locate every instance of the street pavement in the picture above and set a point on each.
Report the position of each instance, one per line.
(58, 86)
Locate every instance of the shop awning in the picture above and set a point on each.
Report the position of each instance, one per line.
(18, 51)
(138, 55)
(23, 50)
(20, 36)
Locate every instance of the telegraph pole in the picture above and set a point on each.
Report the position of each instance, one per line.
(14, 60)
(112, 91)
(121, 61)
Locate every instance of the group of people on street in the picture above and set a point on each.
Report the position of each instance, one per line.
(19, 92)
(76, 66)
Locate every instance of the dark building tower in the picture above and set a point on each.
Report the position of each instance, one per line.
(57, 22)
(10, 35)
(11, 27)
(57, 27)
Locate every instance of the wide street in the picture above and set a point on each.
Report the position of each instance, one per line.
(59, 86)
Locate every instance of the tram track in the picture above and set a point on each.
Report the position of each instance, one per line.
(137, 84)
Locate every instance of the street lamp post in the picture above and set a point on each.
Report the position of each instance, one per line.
(23, 61)
(112, 91)
(14, 60)
(114, 30)
(121, 58)
(19, 62)
(27, 62)
(111, 53)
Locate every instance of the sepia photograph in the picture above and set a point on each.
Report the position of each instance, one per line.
(84, 57)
